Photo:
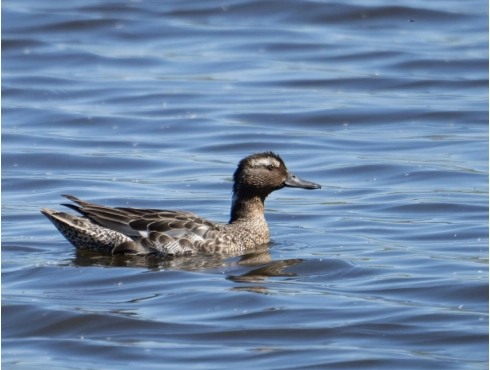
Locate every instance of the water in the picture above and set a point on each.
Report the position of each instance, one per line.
(152, 104)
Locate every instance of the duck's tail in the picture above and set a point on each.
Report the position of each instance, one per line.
(84, 234)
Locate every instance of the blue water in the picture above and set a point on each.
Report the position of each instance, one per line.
(152, 104)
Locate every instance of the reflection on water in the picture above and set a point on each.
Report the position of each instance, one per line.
(276, 268)
(194, 263)
(187, 263)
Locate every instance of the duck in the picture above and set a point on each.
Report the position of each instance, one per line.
(168, 233)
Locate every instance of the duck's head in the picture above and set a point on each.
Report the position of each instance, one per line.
(262, 173)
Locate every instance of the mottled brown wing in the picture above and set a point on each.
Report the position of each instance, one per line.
(161, 231)
(121, 219)
(180, 233)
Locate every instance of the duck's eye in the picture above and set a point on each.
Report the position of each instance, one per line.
(270, 167)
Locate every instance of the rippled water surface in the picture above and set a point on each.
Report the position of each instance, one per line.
(152, 104)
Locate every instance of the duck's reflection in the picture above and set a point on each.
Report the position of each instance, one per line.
(253, 267)
(274, 268)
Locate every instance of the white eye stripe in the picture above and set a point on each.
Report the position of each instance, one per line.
(265, 162)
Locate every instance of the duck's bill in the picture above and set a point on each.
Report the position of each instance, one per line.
(295, 182)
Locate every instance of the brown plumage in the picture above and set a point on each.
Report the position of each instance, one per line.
(162, 232)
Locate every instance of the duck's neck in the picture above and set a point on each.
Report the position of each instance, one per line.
(247, 207)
